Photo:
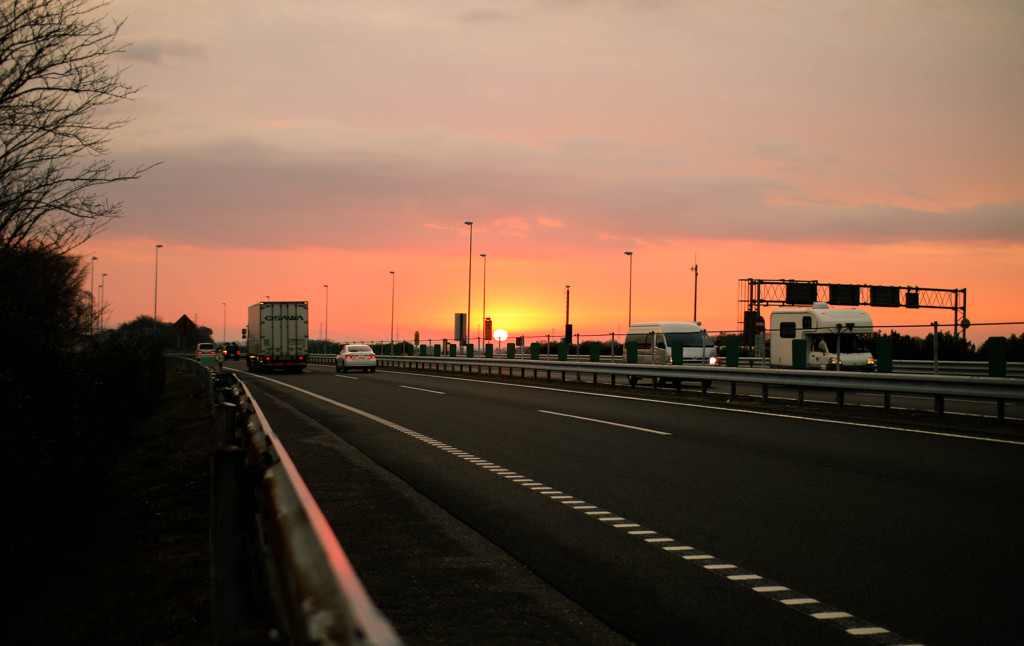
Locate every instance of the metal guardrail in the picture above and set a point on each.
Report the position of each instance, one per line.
(996, 389)
(1014, 369)
(925, 366)
(313, 593)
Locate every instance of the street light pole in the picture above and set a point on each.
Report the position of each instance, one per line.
(327, 308)
(392, 312)
(92, 296)
(694, 269)
(103, 280)
(469, 297)
(629, 318)
(224, 330)
(484, 315)
(156, 283)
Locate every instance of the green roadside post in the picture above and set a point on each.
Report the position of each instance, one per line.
(510, 351)
(563, 351)
(535, 351)
(631, 351)
(595, 352)
(453, 350)
(437, 349)
(489, 350)
(732, 353)
(883, 362)
(677, 353)
(469, 350)
(996, 346)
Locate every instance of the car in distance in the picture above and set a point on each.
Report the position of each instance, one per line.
(231, 351)
(204, 349)
(355, 355)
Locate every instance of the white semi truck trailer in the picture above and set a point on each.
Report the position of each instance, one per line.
(278, 336)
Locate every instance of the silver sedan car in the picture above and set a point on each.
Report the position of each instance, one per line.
(355, 355)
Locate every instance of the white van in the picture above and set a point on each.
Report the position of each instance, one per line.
(654, 342)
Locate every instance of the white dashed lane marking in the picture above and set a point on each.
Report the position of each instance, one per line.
(844, 621)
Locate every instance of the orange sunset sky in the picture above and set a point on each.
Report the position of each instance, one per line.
(316, 142)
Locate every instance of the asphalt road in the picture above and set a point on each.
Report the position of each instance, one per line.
(507, 512)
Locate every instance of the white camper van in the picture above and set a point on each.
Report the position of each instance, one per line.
(832, 337)
(654, 342)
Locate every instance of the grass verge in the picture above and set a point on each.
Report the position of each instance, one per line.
(134, 568)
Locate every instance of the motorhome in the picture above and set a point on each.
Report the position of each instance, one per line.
(654, 341)
(832, 339)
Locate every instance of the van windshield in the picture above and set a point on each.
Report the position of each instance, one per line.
(689, 339)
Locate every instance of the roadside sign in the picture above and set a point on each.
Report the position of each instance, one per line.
(759, 324)
(184, 325)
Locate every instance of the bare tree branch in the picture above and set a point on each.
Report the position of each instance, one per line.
(54, 76)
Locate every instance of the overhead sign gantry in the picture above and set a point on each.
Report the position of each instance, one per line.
(758, 292)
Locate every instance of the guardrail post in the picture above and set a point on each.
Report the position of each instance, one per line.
(996, 347)
(224, 426)
(232, 552)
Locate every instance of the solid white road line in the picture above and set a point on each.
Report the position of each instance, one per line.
(601, 421)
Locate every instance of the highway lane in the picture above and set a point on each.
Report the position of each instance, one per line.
(670, 520)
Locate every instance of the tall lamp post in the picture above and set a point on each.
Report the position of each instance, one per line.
(156, 283)
(469, 297)
(694, 269)
(103, 280)
(392, 312)
(224, 330)
(92, 296)
(327, 308)
(629, 317)
(484, 314)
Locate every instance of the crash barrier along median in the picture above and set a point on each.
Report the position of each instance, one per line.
(938, 387)
(277, 569)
